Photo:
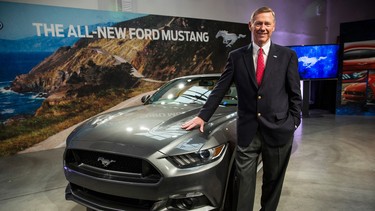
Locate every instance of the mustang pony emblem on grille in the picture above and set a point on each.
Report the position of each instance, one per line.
(105, 162)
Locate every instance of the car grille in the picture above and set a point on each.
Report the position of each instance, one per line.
(111, 166)
(110, 200)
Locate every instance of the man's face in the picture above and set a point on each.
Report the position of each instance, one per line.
(262, 28)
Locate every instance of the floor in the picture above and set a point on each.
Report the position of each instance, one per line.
(332, 168)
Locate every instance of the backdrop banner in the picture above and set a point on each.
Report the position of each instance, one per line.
(60, 66)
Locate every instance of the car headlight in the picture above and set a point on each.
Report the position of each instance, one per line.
(197, 158)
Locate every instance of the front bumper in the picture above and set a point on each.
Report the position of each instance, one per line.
(100, 201)
(197, 188)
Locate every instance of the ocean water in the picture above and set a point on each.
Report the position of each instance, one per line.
(12, 103)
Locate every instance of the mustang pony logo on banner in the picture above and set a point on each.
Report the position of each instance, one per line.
(229, 38)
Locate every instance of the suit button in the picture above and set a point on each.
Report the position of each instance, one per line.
(259, 114)
(259, 97)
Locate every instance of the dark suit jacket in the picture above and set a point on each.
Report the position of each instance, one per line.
(273, 108)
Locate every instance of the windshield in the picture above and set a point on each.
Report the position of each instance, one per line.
(191, 91)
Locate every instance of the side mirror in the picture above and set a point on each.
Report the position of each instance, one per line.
(145, 98)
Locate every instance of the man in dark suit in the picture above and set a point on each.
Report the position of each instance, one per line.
(269, 106)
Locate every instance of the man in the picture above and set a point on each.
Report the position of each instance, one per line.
(268, 110)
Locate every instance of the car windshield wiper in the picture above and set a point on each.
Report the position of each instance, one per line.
(194, 97)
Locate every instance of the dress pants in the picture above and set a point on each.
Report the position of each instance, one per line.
(275, 161)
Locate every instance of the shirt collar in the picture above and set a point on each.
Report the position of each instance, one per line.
(266, 48)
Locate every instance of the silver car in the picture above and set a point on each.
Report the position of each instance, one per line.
(139, 158)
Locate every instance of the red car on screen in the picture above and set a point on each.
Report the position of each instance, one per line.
(359, 56)
(361, 92)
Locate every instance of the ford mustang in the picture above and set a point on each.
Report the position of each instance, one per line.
(359, 57)
(139, 158)
(361, 92)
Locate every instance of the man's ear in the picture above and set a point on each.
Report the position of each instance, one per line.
(249, 25)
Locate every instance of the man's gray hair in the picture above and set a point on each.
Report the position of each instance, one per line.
(262, 10)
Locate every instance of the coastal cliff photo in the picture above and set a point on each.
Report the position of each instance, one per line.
(57, 73)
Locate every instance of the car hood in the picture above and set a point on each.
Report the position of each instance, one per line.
(143, 130)
(359, 87)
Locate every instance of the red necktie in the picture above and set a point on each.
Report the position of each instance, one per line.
(260, 66)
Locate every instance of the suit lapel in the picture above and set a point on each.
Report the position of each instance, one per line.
(249, 63)
(272, 61)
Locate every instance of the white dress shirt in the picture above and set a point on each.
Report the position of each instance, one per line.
(266, 50)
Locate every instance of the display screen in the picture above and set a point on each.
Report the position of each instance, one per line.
(317, 61)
